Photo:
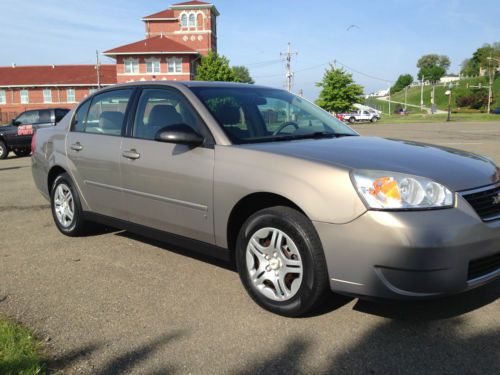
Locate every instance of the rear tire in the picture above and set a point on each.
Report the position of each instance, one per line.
(281, 262)
(352, 120)
(21, 153)
(66, 207)
(4, 151)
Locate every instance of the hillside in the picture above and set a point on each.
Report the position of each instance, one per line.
(459, 89)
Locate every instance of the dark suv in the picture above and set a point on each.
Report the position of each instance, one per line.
(17, 135)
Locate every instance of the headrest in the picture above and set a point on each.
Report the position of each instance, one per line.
(163, 115)
(228, 114)
(111, 120)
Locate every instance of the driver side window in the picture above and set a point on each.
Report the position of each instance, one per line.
(158, 109)
(28, 118)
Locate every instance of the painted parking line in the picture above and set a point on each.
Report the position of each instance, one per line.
(460, 143)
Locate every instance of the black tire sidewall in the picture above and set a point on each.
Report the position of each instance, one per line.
(5, 150)
(306, 242)
(75, 228)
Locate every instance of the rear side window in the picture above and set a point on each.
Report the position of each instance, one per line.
(81, 114)
(105, 114)
(44, 116)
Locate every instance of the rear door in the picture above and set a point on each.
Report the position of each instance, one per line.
(168, 186)
(93, 149)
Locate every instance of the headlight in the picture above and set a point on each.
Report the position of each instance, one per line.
(390, 190)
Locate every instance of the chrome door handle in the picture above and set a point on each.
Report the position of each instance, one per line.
(131, 154)
(76, 146)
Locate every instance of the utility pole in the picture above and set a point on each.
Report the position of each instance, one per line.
(422, 93)
(289, 74)
(389, 100)
(98, 69)
(406, 95)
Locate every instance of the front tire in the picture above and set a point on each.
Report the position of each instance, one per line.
(374, 119)
(4, 151)
(66, 207)
(281, 262)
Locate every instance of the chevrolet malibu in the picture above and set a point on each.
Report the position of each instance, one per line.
(300, 201)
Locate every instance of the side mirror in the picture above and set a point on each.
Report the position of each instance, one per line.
(13, 122)
(181, 134)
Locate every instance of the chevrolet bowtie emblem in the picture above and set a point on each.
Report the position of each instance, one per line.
(496, 199)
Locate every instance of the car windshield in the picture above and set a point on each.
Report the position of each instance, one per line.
(251, 115)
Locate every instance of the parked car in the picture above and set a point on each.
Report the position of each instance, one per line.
(17, 135)
(299, 200)
(360, 116)
(496, 111)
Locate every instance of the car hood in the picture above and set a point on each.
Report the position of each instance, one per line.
(456, 169)
(8, 129)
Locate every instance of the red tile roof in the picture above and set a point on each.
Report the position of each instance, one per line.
(56, 75)
(152, 46)
(169, 13)
(192, 3)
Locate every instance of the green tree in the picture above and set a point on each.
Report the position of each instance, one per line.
(480, 59)
(214, 68)
(241, 74)
(433, 67)
(338, 91)
(402, 81)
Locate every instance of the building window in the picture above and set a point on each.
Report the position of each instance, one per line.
(184, 20)
(192, 20)
(25, 99)
(174, 65)
(47, 95)
(131, 66)
(3, 98)
(70, 95)
(152, 66)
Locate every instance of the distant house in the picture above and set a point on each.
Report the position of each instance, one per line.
(176, 39)
(449, 78)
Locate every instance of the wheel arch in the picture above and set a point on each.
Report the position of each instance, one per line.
(54, 171)
(250, 204)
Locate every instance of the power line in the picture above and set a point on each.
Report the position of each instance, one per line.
(364, 74)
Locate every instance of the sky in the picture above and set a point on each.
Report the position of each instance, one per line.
(387, 39)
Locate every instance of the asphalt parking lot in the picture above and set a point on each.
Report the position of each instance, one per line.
(117, 303)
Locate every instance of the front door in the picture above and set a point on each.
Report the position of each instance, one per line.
(167, 186)
(93, 148)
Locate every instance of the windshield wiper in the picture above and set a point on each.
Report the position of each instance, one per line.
(314, 135)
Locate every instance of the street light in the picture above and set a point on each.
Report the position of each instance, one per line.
(448, 93)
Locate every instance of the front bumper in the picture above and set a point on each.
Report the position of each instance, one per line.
(410, 254)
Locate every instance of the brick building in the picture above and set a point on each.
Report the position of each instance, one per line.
(175, 40)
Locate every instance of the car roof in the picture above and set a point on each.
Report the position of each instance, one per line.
(190, 84)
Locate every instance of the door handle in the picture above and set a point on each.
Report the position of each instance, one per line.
(76, 146)
(131, 154)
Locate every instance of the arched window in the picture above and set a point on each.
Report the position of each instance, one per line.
(199, 21)
(192, 20)
(184, 20)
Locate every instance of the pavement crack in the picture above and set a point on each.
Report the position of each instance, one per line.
(38, 207)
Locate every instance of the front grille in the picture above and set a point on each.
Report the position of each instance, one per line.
(483, 266)
(485, 202)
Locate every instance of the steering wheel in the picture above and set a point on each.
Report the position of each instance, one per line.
(284, 125)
